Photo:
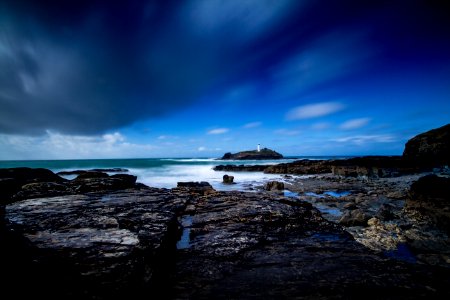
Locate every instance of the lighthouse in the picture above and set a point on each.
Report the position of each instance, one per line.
(258, 148)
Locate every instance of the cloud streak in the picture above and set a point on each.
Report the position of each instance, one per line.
(252, 125)
(218, 131)
(315, 110)
(354, 123)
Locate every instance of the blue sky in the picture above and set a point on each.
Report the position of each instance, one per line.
(91, 79)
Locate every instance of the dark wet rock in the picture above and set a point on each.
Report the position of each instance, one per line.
(41, 189)
(44, 183)
(227, 179)
(355, 217)
(274, 186)
(385, 212)
(300, 167)
(431, 147)
(240, 168)
(78, 172)
(122, 244)
(265, 153)
(375, 167)
(246, 246)
(202, 188)
(96, 246)
(96, 182)
(430, 196)
(12, 180)
(88, 175)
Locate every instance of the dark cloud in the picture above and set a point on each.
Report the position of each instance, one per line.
(91, 66)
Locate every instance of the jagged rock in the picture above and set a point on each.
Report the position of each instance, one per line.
(431, 147)
(228, 179)
(96, 246)
(253, 155)
(44, 183)
(274, 186)
(12, 180)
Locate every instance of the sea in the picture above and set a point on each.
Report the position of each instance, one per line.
(166, 172)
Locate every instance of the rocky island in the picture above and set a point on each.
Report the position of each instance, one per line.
(259, 154)
(377, 225)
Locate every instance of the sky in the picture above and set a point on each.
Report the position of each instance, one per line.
(198, 78)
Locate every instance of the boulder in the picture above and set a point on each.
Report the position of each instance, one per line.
(274, 186)
(228, 179)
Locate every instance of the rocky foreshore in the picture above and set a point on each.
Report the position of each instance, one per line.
(377, 234)
(193, 242)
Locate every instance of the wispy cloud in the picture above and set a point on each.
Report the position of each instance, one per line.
(167, 137)
(200, 149)
(252, 125)
(218, 131)
(355, 123)
(287, 132)
(314, 110)
(361, 139)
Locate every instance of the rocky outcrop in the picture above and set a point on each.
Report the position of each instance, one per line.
(430, 148)
(301, 167)
(26, 183)
(95, 246)
(375, 167)
(253, 155)
(12, 180)
(122, 244)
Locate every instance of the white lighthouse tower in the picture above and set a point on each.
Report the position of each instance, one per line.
(258, 148)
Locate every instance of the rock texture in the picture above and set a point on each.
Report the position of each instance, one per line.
(91, 246)
(233, 245)
(253, 155)
(24, 183)
(431, 147)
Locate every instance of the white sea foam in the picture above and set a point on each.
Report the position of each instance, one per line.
(168, 176)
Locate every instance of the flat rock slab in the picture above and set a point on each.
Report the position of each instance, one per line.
(100, 245)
